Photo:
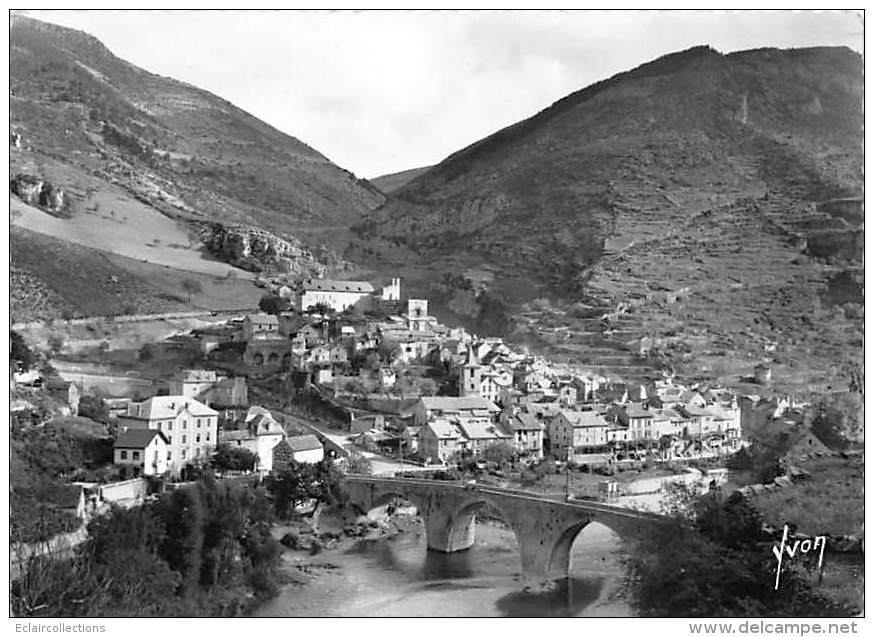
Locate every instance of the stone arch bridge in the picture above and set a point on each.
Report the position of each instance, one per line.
(545, 528)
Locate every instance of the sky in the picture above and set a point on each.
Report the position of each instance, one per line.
(383, 91)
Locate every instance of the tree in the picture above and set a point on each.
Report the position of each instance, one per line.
(19, 351)
(705, 562)
(56, 343)
(191, 286)
(837, 417)
(320, 308)
(273, 304)
(499, 453)
(93, 407)
(427, 387)
(388, 350)
(357, 463)
(228, 458)
(299, 483)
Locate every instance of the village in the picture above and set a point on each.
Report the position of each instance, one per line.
(341, 371)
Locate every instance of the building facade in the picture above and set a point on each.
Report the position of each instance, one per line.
(190, 427)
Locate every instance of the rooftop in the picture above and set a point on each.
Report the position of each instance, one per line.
(158, 407)
(458, 403)
(443, 429)
(584, 418)
(328, 285)
(477, 430)
(261, 318)
(306, 442)
(137, 438)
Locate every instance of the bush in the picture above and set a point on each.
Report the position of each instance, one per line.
(93, 407)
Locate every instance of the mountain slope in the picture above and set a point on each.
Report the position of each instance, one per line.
(221, 161)
(394, 181)
(146, 164)
(579, 201)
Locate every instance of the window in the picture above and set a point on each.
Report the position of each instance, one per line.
(197, 452)
(198, 422)
(184, 453)
(169, 455)
(198, 438)
(123, 455)
(207, 436)
(136, 455)
(169, 439)
(184, 423)
(184, 438)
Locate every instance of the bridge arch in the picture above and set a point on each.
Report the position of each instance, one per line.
(461, 531)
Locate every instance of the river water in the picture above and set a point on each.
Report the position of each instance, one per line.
(399, 577)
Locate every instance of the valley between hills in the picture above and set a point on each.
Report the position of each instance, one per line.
(710, 204)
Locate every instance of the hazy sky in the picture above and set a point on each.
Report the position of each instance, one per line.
(383, 91)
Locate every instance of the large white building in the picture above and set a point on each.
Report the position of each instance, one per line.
(190, 427)
(261, 434)
(338, 295)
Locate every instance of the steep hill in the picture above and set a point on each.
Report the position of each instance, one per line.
(395, 181)
(698, 170)
(97, 140)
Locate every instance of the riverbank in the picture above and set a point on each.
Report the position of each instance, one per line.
(387, 571)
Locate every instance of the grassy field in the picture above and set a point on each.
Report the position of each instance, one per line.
(112, 221)
(832, 501)
(81, 281)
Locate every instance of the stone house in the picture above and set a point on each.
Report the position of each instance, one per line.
(64, 391)
(480, 433)
(570, 430)
(192, 383)
(433, 407)
(701, 422)
(439, 440)
(637, 418)
(526, 431)
(260, 325)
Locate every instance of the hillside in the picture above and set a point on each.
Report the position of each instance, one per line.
(395, 181)
(98, 143)
(687, 188)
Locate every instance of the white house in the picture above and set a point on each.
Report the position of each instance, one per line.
(190, 427)
(338, 295)
(143, 448)
(261, 435)
(306, 448)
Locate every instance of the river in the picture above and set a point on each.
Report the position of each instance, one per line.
(398, 577)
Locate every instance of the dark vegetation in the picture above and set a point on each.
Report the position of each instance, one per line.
(230, 458)
(204, 550)
(43, 460)
(711, 562)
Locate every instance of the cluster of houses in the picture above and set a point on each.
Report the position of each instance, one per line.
(575, 418)
(163, 434)
(503, 396)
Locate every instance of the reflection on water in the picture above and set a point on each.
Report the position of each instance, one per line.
(400, 577)
(568, 599)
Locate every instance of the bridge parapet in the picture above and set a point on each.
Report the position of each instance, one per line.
(545, 529)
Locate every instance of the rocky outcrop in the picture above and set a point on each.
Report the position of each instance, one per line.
(257, 250)
(37, 192)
